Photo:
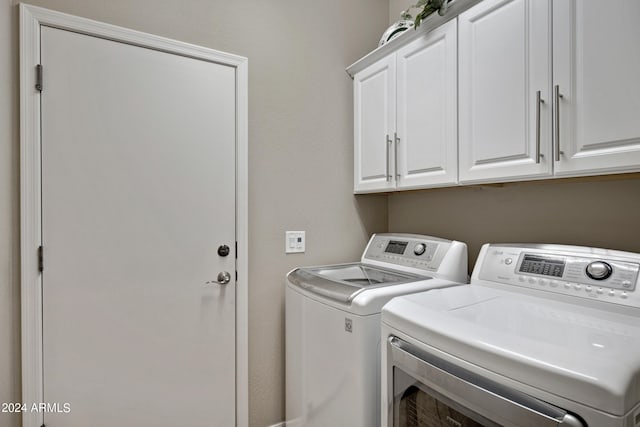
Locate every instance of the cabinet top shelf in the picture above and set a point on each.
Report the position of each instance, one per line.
(456, 7)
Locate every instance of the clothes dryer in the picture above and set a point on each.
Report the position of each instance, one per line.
(545, 335)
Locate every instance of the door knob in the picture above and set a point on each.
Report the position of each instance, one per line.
(224, 277)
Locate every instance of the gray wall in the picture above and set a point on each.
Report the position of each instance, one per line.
(397, 6)
(9, 211)
(601, 212)
(300, 151)
(301, 157)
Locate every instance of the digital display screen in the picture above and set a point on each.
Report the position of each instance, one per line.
(395, 247)
(543, 266)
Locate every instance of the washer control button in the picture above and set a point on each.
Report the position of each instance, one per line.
(600, 291)
(624, 295)
(554, 283)
(577, 287)
(567, 285)
(588, 288)
(508, 261)
(544, 282)
(626, 284)
(533, 280)
(419, 249)
(599, 270)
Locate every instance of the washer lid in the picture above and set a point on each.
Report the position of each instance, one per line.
(587, 355)
(344, 281)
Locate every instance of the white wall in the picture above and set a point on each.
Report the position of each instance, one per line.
(300, 151)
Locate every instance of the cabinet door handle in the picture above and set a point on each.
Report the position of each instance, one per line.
(397, 141)
(388, 146)
(539, 101)
(557, 95)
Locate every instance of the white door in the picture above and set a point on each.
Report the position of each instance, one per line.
(504, 61)
(375, 121)
(138, 193)
(596, 67)
(427, 110)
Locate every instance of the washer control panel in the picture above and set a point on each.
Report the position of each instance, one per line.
(406, 250)
(572, 270)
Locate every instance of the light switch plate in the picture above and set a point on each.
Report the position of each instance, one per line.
(294, 242)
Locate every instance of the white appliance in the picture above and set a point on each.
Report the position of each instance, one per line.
(333, 325)
(545, 335)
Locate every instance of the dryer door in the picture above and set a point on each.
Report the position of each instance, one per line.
(425, 390)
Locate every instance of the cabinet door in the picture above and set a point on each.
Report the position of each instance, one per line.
(504, 60)
(597, 71)
(374, 124)
(427, 110)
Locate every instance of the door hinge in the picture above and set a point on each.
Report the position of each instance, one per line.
(39, 77)
(40, 259)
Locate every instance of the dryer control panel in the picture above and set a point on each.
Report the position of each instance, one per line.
(571, 270)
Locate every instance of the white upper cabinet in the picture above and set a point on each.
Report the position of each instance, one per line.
(374, 125)
(405, 109)
(510, 90)
(504, 91)
(596, 60)
(427, 128)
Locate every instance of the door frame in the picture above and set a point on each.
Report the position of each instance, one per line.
(31, 20)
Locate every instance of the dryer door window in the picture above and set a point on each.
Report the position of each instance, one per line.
(427, 391)
(419, 406)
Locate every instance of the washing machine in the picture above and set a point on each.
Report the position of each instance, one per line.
(333, 325)
(544, 335)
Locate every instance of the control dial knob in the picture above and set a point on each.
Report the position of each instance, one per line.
(419, 249)
(599, 270)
